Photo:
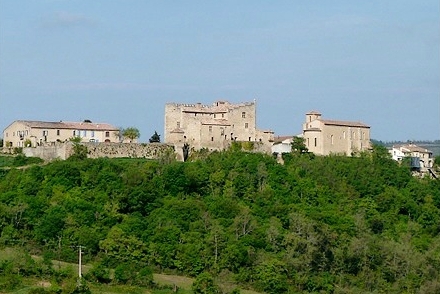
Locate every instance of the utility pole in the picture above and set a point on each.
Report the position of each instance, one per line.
(79, 262)
(80, 248)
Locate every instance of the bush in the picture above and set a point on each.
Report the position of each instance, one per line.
(100, 274)
(125, 273)
(204, 284)
(18, 150)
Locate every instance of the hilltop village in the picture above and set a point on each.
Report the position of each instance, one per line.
(198, 126)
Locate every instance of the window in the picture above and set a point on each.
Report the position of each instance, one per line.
(243, 115)
(316, 142)
(58, 132)
(6, 134)
(223, 115)
(214, 115)
(84, 133)
(249, 138)
(246, 125)
(107, 134)
(45, 133)
(92, 134)
(210, 129)
(331, 139)
(222, 131)
(178, 124)
(212, 138)
(74, 133)
(13, 134)
(343, 134)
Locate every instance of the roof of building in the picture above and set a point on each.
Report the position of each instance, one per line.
(344, 123)
(280, 139)
(313, 112)
(411, 148)
(313, 130)
(68, 125)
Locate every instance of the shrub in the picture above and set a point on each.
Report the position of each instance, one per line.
(204, 284)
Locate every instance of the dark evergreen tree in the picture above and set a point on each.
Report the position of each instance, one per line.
(155, 138)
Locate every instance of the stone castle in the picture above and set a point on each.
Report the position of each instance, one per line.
(214, 126)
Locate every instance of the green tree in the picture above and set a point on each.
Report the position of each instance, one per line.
(131, 133)
(271, 276)
(155, 138)
(299, 145)
(204, 284)
(79, 152)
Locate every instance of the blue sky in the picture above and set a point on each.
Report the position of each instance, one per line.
(120, 61)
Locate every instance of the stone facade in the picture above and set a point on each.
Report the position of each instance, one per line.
(213, 126)
(39, 133)
(324, 137)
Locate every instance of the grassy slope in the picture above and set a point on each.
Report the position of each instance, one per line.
(184, 283)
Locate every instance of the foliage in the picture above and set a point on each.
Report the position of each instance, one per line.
(76, 139)
(315, 224)
(248, 146)
(18, 150)
(79, 152)
(131, 133)
(437, 161)
(204, 284)
(82, 289)
(299, 145)
(18, 160)
(155, 138)
(242, 145)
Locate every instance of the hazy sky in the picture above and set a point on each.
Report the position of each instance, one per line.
(120, 61)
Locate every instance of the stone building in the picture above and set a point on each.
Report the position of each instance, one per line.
(22, 133)
(324, 137)
(213, 126)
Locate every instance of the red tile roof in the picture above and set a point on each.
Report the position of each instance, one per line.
(69, 125)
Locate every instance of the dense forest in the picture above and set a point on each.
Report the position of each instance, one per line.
(314, 224)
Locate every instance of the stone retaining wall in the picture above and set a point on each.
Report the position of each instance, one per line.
(128, 150)
(95, 150)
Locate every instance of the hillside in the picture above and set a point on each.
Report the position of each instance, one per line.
(313, 225)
